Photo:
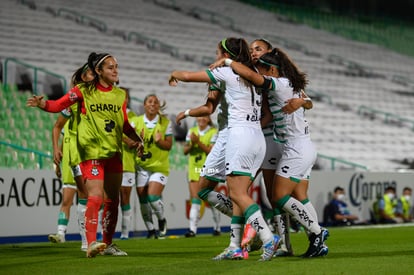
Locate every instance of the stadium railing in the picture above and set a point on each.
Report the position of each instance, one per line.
(388, 117)
(152, 43)
(387, 32)
(213, 17)
(9, 161)
(35, 70)
(82, 19)
(177, 159)
(334, 162)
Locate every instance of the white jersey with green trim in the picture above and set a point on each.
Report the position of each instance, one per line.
(244, 101)
(222, 108)
(286, 126)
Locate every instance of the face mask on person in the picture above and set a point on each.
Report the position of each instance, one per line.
(340, 197)
(407, 197)
(391, 196)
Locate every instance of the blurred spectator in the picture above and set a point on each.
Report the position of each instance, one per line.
(403, 210)
(336, 212)
(200, 140)
(385, 208)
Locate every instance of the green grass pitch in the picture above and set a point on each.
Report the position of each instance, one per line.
(353, 250)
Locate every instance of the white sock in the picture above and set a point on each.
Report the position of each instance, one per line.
(236, 232)
(146, 212)
(281, 227)
(300, 213)
(282, 222)
(80, 211)
(194, 216)
(259, 224)
(158, 208)
(220, 202)
(61, 230)
(126, 221)
(100, 214)
(309, 206)
(216, 219)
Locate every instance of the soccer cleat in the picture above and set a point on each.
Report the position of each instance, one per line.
(230, 254)
(162, 227)
(84, 247)
(152, 234)
(281, 252)
(325, 233)
(113, 250)
(190, 234)
(216, 233)
(316, 246)
(56, 238)
(123, 237)
(323, 251)
(245, 253)
(255, 245)
(248, 235)
(94, 249)
(269, 249)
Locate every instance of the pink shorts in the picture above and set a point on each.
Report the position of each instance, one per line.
(95, 169)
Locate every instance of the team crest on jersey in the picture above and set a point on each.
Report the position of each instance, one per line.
(95, 171)
(73, 96)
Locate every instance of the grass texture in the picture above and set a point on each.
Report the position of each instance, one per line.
(352, 250)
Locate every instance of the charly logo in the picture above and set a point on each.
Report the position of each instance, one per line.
(146, 156)
(109, 125)
(198, 158)
(272, 161)
(285, 169)
(361, 189)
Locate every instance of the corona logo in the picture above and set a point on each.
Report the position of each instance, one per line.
(361, 189)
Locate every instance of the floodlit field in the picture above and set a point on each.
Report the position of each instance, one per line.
(358, 250)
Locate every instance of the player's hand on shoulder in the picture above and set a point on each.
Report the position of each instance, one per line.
(218, 63)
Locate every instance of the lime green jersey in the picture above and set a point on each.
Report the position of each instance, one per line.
(100, 127)
(197, 157)
(154, 159)
(71, 152)
(128, 155)
(67, 176)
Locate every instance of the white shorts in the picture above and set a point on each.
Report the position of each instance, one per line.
(297, 160)
(245, 151)
(272, 155)
(73, 186)
(214, 167)
(128, 179)
(144, 177)
(76, 171)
